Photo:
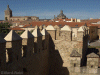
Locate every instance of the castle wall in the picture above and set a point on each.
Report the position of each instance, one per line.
(74, 34)
(93, 33)
(47, 56)
(75, 63)
(60, 51)
(66, 35)
(99, 33)
(32, 64)
(52, 34)
(2, 56)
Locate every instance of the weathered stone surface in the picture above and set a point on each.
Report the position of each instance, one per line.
(75, 54)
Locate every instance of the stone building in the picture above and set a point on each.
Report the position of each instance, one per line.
(60, 16)
(49, 52)
(9, 17)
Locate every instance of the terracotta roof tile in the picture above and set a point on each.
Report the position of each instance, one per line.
(16, 28)
(71, 24)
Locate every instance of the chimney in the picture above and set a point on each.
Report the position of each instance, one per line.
(71, 19)
(75, 20)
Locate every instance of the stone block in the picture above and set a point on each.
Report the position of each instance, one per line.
(92, 63)
(92, 70)
(77, 69)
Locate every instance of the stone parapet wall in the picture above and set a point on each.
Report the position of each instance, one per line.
(65, 35)
(52, 34)
(92, 63)
(32, 64)
(84, 71)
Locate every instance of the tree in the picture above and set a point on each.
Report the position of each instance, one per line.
(5, 27)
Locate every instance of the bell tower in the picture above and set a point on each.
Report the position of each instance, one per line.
(8, 13)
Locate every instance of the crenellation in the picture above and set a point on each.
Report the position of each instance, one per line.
(46, 52)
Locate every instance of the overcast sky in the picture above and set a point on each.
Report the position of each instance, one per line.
(80, 9)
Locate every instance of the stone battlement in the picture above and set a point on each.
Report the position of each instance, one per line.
(47, 51)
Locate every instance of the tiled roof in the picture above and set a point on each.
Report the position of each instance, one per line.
(44, 32)
(92, 55)
(36, 32)
(91, 21)
(75, 54)
(17, 28)
(71, 24)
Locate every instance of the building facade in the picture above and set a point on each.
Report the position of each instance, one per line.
(9, 17)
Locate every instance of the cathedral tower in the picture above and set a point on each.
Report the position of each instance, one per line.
(8, 13)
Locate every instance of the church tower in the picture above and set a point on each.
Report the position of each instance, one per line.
(8, 13)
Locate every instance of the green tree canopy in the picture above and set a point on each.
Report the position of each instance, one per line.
(5, 27)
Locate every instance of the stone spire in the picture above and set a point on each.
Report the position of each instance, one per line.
(50, 27)
(44, 32)
(12, 36)
(8, 8)
(56, 27)
(36, 32)
(66, 28)
(36, 27)
(27, 34)
(61, 11)
(81, 29)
